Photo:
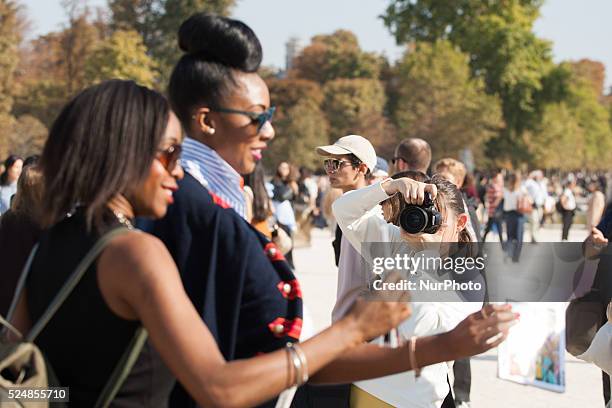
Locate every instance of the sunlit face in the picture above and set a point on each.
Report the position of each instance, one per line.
(347, 177)
(15, 171)
(235, 137)
(283, 170)
(153, 196)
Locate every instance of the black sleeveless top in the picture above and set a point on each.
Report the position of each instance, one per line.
(85, 340)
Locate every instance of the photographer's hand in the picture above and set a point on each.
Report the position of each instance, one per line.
(413, 191)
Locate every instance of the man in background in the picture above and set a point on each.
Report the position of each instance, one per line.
(412, 154)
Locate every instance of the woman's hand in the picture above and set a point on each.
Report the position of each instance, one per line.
(482, 330)
(413, 191)
(374, 314)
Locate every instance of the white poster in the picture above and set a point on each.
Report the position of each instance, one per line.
(534, 352)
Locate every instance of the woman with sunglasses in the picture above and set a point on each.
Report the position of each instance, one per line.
(112, 156)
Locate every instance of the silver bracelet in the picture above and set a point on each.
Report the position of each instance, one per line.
(297, 365)
(303, 362)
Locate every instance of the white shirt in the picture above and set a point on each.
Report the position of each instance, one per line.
(536, 191)
(570, 203)
(214, 173)
(353, 277)
(511, 198)
(359, 223)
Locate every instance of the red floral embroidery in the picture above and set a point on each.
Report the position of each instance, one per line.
(295, 292)
(274, 254)
(281, 327)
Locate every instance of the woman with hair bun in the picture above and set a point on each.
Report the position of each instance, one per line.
(238, 281)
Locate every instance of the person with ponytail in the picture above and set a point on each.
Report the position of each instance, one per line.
(360, 224)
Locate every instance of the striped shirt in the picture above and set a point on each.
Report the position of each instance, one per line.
(214, 173)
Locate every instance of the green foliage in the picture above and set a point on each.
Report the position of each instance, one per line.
(167, 18)
(438, 101)
(594, 119)
(498, 37)
(299, 123)
(558, 141)
(121, 56)
(349, 102)
(575, 133)
(333, 56)
(430, 20)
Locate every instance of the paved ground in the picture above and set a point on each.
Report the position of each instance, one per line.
(317, 273)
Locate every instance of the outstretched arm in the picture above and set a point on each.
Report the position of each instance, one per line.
(139, 280)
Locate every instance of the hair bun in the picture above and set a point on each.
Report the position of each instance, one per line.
(222, 40)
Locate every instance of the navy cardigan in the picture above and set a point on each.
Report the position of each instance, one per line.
(238, 281)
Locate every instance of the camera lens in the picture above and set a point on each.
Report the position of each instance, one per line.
(413, 219)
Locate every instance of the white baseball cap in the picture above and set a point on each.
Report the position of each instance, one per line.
(355, 144)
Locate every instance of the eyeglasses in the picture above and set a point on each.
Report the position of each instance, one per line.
(169, 157)
(333, 165)
(256, 117)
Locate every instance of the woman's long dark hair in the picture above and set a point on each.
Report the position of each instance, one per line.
(102, 143)
(261, 200)
(215, 49)
(8, 163)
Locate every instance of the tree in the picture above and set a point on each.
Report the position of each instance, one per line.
(77, 42)
(167, 18)
(351, 104)
(333, 56)
(558, 141)
(439, 101)
(121, 56)
(28, 136)
(592, 71)
(11, 25)
(299, 123)
(594, 119)
(136, 15)
(503, 50)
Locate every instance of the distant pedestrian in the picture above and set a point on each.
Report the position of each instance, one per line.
(537, 192)
(8, 181)
(514, 195)
(494, 197)
(567, 206)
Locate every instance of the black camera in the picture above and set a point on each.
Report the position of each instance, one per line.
(421, 218)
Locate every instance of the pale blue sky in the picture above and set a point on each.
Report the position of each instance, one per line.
(578, 28)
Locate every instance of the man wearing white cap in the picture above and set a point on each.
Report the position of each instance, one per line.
(347, 163)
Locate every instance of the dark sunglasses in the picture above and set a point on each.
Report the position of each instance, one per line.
(170, 156)
(256, 117)
(333, 165)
